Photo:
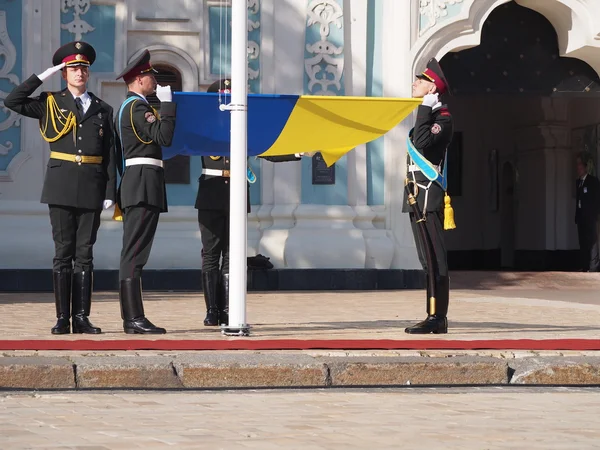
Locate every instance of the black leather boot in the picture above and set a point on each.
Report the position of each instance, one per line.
(132, 309)
(210, 287)
(224, 300)
(437, 309)
(62, 300)
(82, 303)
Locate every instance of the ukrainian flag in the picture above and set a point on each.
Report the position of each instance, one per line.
(285, 124)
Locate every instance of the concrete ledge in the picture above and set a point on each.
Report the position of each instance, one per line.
(36, 373)
(230, 370)
(128, 372)
(251, 371)
(419, 371)
(557, 371)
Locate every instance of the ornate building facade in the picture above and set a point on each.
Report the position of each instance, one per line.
(304, 216)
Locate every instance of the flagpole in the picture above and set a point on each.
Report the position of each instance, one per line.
(238, 189)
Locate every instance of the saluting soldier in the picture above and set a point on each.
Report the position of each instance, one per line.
(212, 203)
(80, 176)
(430, 138)
(142, 194)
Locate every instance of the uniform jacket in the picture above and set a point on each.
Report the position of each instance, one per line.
(69, 183)
(431, 135)
(142, 136)
(588, 194)
(213, 191)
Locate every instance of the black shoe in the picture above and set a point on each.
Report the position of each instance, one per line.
(141, 326)
(132, 309)
(82, 303)
(62, 301)
(210, 287)
(224, 300)
(63, 326)
(433, 324)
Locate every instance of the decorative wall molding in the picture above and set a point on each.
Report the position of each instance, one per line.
(8, 52)
(324, 60)
(254, 41)
(434, 11)
(77, 26)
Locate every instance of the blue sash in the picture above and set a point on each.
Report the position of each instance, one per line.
(125, 103)
(429, 170)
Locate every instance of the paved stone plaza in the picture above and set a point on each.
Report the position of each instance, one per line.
(485, 418)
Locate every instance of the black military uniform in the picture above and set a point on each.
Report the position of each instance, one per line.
(587, 209)
(212, 203)
(431, 136)
(142, 193)
(80, 175)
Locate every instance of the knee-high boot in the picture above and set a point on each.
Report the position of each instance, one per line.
(62, 301)
(132, 309)
(82, 303)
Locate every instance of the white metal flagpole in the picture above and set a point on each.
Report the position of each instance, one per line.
(239, 156)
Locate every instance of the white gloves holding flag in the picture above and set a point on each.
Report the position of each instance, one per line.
(46, 73)
(430, 100)
(164, 93)
(107, 204)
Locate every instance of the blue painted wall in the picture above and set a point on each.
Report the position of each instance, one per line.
(375, 149)
(102, 37)
(11, 137)
(336, 194)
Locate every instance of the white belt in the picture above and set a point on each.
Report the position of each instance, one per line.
(216, 172)
(139, 161)
(413, 168)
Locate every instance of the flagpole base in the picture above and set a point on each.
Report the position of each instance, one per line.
(240, 330)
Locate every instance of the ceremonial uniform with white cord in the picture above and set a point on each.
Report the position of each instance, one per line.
(142, 194)
(430, 210)
(80, 175)
(212, 203)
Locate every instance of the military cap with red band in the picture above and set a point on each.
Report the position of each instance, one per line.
(76, 53)
(434, 73)
(139, 66)
(223, 86)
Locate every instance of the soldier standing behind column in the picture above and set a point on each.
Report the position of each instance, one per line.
(430, 138)
(80, 177)
(142, 193)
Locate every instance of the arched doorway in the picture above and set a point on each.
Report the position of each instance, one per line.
(515, 99)
(177, 168)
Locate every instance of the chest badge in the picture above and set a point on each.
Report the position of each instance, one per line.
(101, 132)
(100, 115)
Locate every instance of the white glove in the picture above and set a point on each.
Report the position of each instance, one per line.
(430, 100)
(107, 204)
(46, 73)
(164, 93)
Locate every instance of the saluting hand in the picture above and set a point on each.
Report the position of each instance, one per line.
(430, 100)
(46, 73)
(164, 93)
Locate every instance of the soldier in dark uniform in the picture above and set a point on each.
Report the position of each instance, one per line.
(587, 209)
(431, 137)
(80, 176)
(142, 194)
(212, 203)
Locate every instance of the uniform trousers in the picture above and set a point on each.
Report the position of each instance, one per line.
(139, 228)
(214, 232)
(74, 231)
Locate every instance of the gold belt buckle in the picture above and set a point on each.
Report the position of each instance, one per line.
(226, 173)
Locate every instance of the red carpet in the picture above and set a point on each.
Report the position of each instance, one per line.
(299, 344)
